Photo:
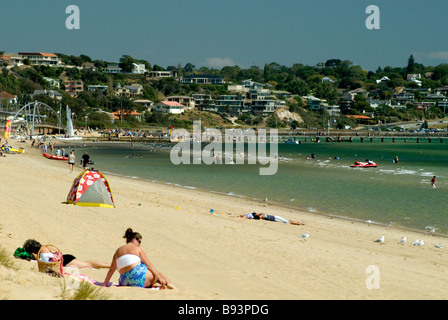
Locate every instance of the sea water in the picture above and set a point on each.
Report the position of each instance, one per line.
(398, 194)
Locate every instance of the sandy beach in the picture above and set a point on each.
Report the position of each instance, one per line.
(207, 256)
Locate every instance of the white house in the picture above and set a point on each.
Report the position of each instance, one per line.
(171, 107)
(138, 68)
(41, 58)
(383, 79)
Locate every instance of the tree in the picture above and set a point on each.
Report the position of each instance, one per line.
(327, 91)
(126, 63)
(299, 87)
(333, 63)
(411, 64)
(189, 68)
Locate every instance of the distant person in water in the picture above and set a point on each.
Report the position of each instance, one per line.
(396, 159)
(258, 216)
(433, 182)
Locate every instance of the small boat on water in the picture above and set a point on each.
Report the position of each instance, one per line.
(54, 157)
(367, 164)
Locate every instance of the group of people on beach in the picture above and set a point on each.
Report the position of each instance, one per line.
(129, 260)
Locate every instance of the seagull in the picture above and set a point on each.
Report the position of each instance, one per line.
(403, 240)
(439, 246)
(380, 240)
(304, 236)
(418, 243)
(431, 229)
(369, 222)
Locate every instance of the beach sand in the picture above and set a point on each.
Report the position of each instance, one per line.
(206, 256)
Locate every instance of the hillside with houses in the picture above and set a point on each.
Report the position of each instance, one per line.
(132, 93)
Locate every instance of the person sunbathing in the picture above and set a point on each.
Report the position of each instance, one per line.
(32, 247)
(263, 216)
(134, 266)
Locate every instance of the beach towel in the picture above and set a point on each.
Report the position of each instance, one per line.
(83, 277)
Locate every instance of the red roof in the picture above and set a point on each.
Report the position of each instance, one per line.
(6, 95)
(172, 103)
(126, 113)
(358, 117)
(37, 54)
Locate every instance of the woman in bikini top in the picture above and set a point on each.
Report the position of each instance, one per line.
(131, 256)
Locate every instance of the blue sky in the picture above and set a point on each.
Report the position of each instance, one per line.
(215, 33)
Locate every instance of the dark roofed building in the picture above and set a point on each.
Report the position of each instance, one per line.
(202, 79)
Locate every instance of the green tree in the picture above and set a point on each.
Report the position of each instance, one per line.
(411, 64)
(126, 63)
(299, 87)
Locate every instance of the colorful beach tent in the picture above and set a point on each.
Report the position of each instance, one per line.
(91, 189)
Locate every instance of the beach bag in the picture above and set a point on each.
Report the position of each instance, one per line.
(50, 263)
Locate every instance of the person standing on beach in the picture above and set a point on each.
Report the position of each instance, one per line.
(433, 182)
(71, 160)
(85, 159)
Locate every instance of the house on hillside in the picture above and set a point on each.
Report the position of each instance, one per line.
(383, 79)
(14, 59)
(129, 91)
(202, 79)
(126, 114)
(97, 88)
(231, 104)
(313, 103)
(41, 58)
(74, 87)
(204, 102)
(249, 84)
(53, 94)
(138, 68)
(135, 90)
(186, 101)
(263, 107)
(7, 98)
(148, 104)
(441, 90)
(403, 97)
(360, 118)
(414, 78)
(327, 79)
(156, 75)
(53, 83)
(113, 68)
(5, 59)
(171, 107)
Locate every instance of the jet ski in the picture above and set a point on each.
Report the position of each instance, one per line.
(367, 164)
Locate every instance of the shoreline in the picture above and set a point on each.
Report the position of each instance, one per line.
(299, 209)
(207, 256)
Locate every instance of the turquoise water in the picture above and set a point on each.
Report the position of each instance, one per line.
(398, 194)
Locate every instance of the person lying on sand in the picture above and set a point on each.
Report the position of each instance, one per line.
(258, 216)
(134, 266)
(32, 247)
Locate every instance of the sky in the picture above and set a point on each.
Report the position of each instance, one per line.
(217, 33)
